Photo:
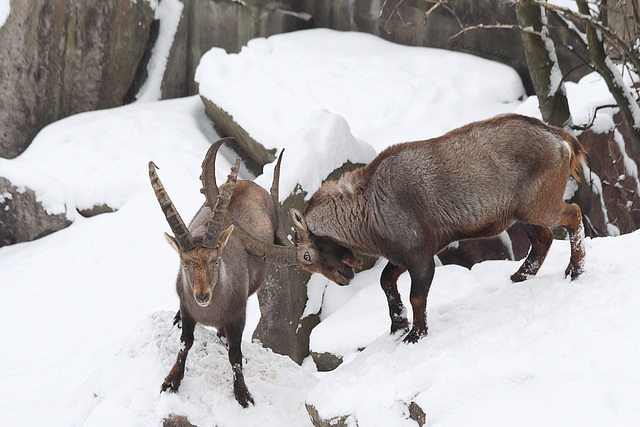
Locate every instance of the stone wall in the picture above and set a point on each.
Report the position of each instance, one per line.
(62, 57)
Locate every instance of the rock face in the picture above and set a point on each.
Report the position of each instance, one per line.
(61, 57)
(283, 296)
(254, 154)
(226, 24)
(22, 217)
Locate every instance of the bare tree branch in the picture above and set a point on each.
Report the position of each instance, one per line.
(391, 14)
(430, 11)
(593, 118)
(588, 20)
(498, 26)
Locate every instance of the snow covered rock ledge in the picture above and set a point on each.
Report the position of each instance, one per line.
(288, 315)
(387, 92)
(26, 214)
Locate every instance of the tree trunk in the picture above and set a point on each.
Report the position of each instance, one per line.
(543, 65)
(603, 65)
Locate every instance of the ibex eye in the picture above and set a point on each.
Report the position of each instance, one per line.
(307, 256)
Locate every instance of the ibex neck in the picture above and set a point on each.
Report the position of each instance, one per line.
(340, 211)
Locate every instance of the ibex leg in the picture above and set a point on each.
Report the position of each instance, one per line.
(541, 239)
(421, 279)
(234, 337)
(389, 283)
(173, 380)
(571, 220)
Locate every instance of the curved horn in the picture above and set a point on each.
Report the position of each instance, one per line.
(208, 176)
(281, 238)
(180, 230)
(219, 213)
(275, 185)
(287, 255)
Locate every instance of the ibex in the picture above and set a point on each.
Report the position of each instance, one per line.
(416, 198)
(216, 274)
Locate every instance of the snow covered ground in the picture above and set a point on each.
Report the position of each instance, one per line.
(86, 335)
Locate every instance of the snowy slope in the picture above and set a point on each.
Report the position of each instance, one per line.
(545, 352)
(86, 335)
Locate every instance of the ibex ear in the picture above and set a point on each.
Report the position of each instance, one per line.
(298, 221)
(224, 238)
(172, 242)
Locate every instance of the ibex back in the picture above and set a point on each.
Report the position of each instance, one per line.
(416, 198)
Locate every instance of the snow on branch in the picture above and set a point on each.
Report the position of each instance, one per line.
(589, 20)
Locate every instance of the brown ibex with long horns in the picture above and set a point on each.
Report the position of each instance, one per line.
(216, 274)
(416, 198)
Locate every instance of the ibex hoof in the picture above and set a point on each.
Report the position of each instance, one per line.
(573, 271)
(244, 398)
(399, 324)
(414, 336)
(170, 384)
(518, 277)
(177, 320)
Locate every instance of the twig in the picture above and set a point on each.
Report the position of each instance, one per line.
(498, 26)
(391, 15)
(593, 119)
(425, 17)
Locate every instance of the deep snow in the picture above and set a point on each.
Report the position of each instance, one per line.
(86, 312)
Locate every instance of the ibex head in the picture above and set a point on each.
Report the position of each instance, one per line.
(318, 254)
(315, 254)
(199, 256)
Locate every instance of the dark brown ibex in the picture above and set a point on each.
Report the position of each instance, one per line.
(216, 274)
(416, 198)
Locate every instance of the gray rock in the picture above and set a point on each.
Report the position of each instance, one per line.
(22, 217)
(254, 154)
(96, 210)
(176, 421)
(283, 296)
(339, 421)
(326, 361)
(414, 412)
(417, 414)
(62, 57)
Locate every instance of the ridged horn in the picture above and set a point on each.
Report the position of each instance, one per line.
(177, 225)
(219, 212)
(281, 238)
(208, 176)
(287, 255)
